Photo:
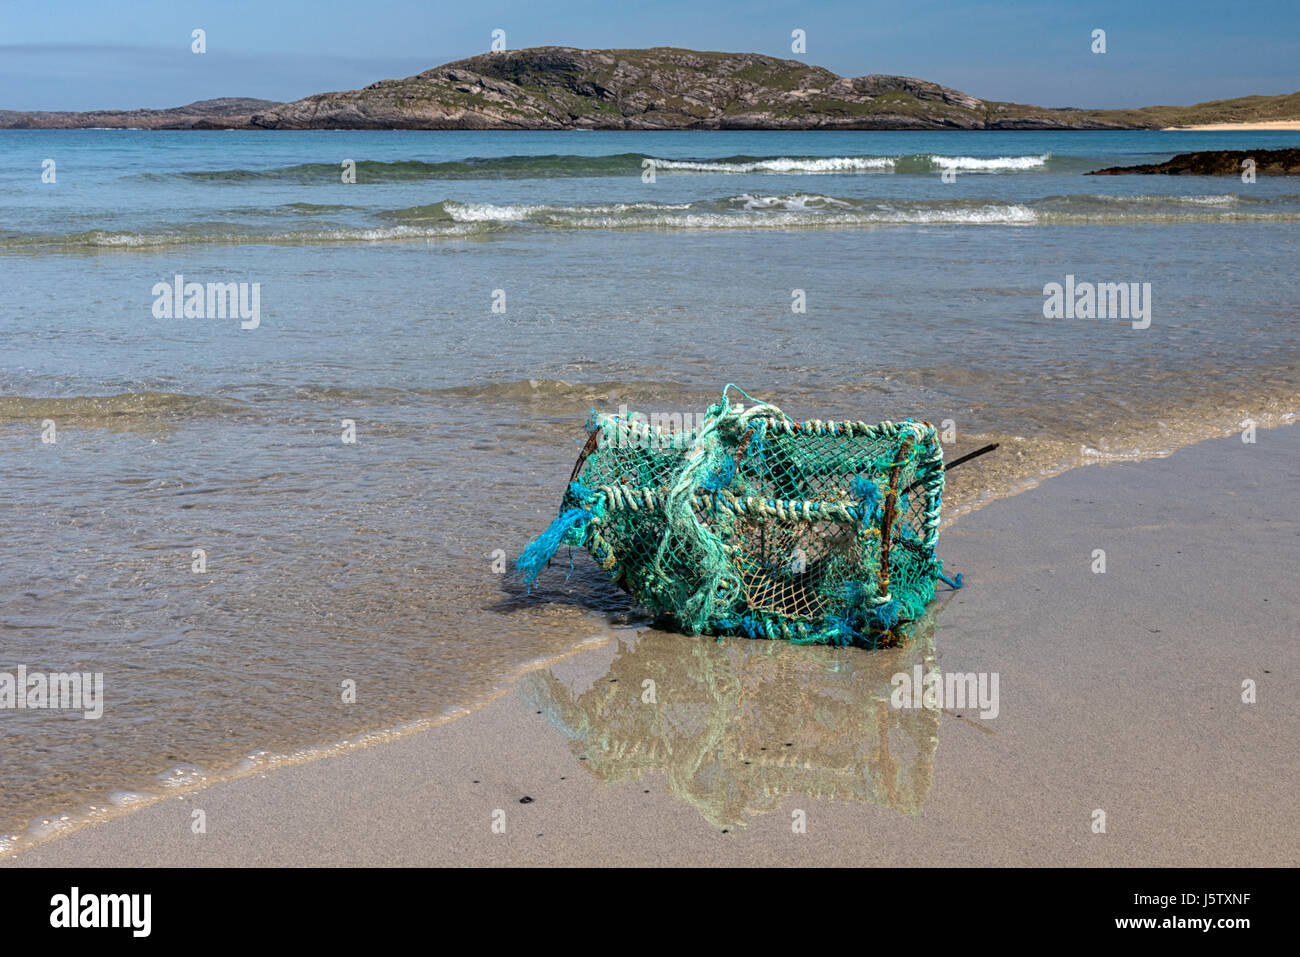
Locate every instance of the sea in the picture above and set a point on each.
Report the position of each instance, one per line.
(280, 522)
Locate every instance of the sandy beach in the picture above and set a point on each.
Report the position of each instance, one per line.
(1285, 125)
(1120, 692)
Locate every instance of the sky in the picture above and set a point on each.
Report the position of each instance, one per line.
(128, 54)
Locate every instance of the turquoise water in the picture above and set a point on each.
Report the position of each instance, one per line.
(376, 562)
(140, 190)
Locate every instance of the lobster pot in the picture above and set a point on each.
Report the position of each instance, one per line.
(754, 524)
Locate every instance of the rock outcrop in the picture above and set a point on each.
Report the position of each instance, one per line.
(1217, 163)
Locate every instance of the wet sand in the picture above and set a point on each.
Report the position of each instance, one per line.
(1118, 692)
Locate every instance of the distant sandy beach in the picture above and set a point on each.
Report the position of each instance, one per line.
(1120, 693)
(1230, 127)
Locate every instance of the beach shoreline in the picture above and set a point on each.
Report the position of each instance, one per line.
(1085, 658)
(1256, 126)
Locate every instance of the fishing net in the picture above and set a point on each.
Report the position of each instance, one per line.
(753, 524)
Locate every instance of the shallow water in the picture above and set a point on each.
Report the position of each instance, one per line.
(376, 562)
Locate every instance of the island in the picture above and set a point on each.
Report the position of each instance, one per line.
(662, 88)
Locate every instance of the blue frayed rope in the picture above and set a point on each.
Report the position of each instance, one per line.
(542, 549)
(868, 492)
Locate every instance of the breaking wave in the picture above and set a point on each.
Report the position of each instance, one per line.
(779, 164)
(982, 164)
(450, 219)
(555, 166)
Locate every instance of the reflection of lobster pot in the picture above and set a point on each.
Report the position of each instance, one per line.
(738, 726)
(837, 736)
(753, 524)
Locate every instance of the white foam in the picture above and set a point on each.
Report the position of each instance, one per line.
(1225, 199)
(777, 216)
(976, 163)
(489, 212)
(781, 164)
(126, 798)
(1218, 199)
(797, 201)
(183, 775)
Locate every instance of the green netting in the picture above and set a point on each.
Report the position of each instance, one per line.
(754, 524)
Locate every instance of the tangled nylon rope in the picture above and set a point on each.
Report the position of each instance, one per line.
(702, 532)
(709, 457)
